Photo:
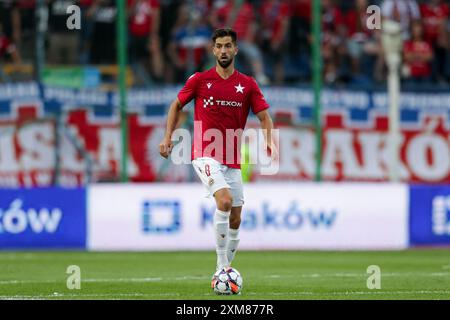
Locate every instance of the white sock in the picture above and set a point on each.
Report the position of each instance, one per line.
(221, 226)
(233, 243)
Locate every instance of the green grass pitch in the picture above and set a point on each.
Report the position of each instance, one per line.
(409, 274)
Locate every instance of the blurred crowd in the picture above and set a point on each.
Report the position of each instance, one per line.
(169, 39)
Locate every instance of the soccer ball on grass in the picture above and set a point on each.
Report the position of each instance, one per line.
(227, 281)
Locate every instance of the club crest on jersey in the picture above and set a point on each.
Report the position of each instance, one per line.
(209, 85)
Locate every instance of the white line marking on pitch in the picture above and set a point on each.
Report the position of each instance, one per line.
(343, 274)
(5, 282)
(304, 293)
(62, 295)
(123, 280)
(274, 276)
(351, 293)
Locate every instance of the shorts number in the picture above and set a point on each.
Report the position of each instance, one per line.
(207, 170)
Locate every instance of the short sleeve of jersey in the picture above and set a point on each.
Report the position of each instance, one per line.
(187, 93)
(257, 101)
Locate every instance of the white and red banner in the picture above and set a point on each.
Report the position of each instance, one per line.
(37, 149)
(363, 154)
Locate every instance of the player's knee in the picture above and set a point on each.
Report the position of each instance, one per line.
(224, 203)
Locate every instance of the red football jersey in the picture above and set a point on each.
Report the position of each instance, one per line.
(221, 104)
(5, 45)
(418, 68)
(141, 16)
(432, 17)
(272, 16)
(242, 21)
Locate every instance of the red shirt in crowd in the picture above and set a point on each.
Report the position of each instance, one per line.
(243, 19)
(85, 3)
(356, 23)
(418, 68)
(333, 22)
(142, 16)
(6, 46)
(301, 9)
(26, 4)
(272, 15)
(221, 104)
(332, 19)
(432, 17)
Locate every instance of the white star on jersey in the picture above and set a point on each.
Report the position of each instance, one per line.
(239, 88)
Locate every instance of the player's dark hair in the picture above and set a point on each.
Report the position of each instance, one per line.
(224, 32)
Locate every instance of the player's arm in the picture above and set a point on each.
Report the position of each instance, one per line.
(267, 125)
(186, 94)
(165, 147)
(155, 27)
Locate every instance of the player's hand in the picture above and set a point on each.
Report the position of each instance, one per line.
(165, 147)
(273, 152)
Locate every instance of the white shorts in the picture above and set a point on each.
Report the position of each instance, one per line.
(216, 176)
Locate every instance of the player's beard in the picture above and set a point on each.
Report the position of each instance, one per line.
(225, 63)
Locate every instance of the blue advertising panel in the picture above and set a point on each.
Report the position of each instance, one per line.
(429, 215)
(53, 218)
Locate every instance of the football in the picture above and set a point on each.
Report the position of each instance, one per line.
(227, 281)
